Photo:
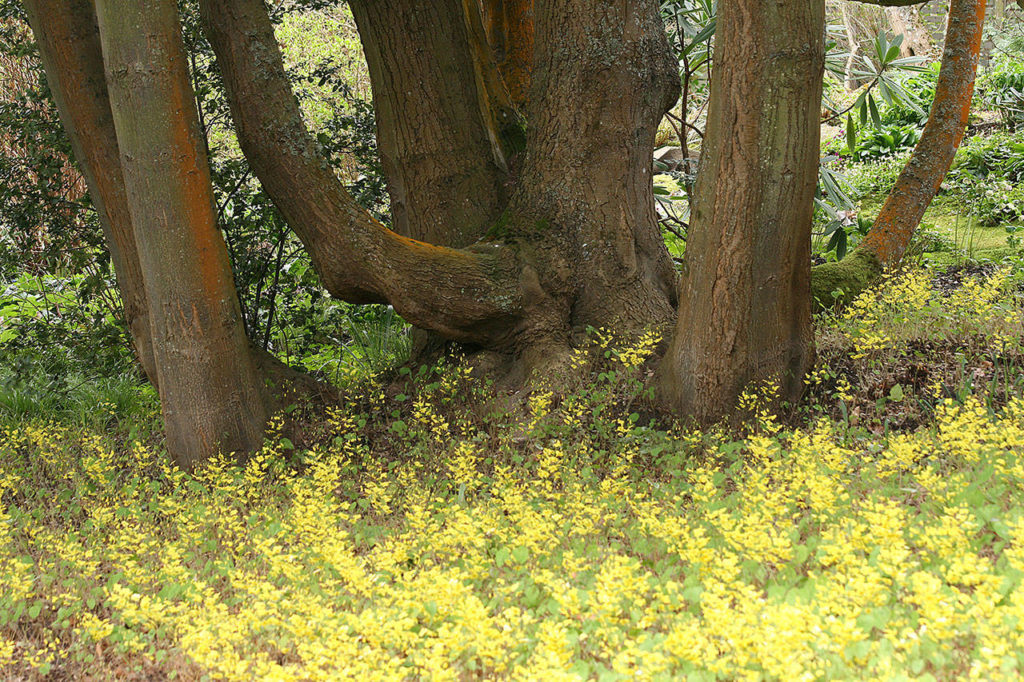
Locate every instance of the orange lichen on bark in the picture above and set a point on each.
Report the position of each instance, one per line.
(193, 170)
(494, 99)
(510, 33)
(920, 180)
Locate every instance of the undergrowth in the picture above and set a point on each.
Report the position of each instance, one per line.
(432, 529)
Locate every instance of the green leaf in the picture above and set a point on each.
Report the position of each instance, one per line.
(851, 133)
(873, 108)
(501, 556)
(896, 393)
(839, 243)
(521, 554)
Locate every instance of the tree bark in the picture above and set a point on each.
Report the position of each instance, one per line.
(210, 392)
(509, 26)
(917, 42)
(744, 312)
(852, 82)
(602, 78)
(440, 145)
(890, 235)
(69, 46)
(578, 244)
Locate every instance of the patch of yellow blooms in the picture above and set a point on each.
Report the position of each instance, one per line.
(570, 547)
(906, 306)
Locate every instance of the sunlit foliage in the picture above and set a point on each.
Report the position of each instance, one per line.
(420, 539)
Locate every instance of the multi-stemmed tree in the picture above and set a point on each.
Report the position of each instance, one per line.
(515, 136)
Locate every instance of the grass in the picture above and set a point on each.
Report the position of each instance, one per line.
(434, 533)
(962, 239)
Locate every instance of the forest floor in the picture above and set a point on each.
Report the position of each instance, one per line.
(875, 531)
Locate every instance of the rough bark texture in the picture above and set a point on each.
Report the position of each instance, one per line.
(69, 45)
(578, 244)
(602, 78)
(510, 34)
(210, 392)
(744, 312)
(438, 140)
(890, 235)
(917, 42)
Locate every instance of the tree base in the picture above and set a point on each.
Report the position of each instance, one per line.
(839, 283)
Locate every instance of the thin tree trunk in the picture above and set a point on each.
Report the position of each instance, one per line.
(920, 180)
(744, 312)
(69, 45)
(210, 391)
(852, 82)
(890, 235)
(917, 42)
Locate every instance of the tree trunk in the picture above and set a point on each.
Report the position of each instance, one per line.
(69, 45)
(583, 207)
(441, 155)
(917, 42)
(744, 312)
(210, 392)
(890, 235)
(578, 244)
(852, 82)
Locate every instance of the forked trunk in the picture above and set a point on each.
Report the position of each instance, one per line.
(744, 313)
(210, 393)
(577, 244)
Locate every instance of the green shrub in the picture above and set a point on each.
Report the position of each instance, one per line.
(921, 85)
(875, 143)
(986, 178)
(1000, 154)
(1002, 88)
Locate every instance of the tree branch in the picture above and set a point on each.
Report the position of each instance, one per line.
(466, 295)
